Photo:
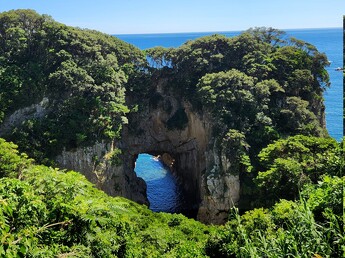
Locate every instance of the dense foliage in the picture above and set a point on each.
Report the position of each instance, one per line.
(54, 213)
(79, 73)
(66, 87)
(310, 227)
(289, 164)
(50, 213)
(277, 80)
(260, 83)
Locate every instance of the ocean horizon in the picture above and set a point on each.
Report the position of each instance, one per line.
(216, 32)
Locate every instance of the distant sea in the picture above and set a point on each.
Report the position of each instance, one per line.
(329, 41)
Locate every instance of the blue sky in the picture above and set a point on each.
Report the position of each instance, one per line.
(153, 16)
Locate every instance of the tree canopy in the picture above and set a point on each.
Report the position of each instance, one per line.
(289, 164)
(81, 72)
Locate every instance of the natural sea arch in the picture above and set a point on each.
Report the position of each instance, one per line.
(185, 147)
(199, 164)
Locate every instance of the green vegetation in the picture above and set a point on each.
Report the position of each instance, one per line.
(259, 83)
(310, 227)
(264, 93)
(81, 72)
(289, 164)
(54, 213)
(279, 79)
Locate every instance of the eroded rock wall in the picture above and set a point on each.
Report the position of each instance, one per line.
(19, 116)
(96, 165)
(196, 159)
(198, 163)
(186, 146)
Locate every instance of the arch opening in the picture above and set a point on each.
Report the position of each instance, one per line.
(164, 192)
(148, 133)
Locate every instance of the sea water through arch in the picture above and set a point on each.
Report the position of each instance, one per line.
(163, 190)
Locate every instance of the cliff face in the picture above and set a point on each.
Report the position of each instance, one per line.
(198, 163)
(190, 150)
(20, 115)
(95, 164)
(185, 144)
(171, 125)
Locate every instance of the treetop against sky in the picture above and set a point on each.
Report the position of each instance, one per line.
(156, 16)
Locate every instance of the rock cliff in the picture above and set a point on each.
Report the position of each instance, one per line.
(95, 163)
(190, 151)
(170, 128)
(19, 116)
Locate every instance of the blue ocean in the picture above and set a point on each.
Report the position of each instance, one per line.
(163, 190)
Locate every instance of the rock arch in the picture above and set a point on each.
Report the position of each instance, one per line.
(199, 164)
(187, 148)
